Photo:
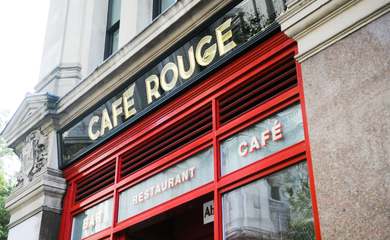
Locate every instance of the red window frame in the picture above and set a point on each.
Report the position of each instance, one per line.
(260, 57)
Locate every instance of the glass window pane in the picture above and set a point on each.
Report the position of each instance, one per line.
(115, 39)
(275, 207)
(115, 12)
(183, 177)
(165, 4)
(258, 141)
(92, 220)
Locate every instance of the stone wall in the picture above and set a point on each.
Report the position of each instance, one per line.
(347, 92)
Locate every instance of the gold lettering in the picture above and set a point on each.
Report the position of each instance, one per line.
(106, 122)
(209, 53)
(116, 111)
(191, 59)
(168, 86)
(152, 92)
(93, 135)
(222, 38)
(128, 102)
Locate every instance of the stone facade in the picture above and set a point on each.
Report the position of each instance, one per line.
(348, 107)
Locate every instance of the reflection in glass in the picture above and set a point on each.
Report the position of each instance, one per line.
(115, 40)
(292, 129)
(115, 12)
(275, 207)
(165, 4)
(174, 181)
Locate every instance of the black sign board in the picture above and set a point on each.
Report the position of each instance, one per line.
(208, 48)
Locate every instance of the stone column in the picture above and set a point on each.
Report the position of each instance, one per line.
(74, 44)
(36, 202)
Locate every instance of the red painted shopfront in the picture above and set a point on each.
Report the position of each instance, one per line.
(229, 158)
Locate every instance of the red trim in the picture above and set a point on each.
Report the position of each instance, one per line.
(103, 234)
(272, 106)
(217, 202)
(277, 158)
(209, 91)
(116, 197)
(308, 153)
(66, 221)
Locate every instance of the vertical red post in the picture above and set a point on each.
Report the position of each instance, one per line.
(217, 200)
(116, 198)
(66, 223)
(308, 152)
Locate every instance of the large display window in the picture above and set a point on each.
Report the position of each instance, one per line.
(228, 159)
(278, 206)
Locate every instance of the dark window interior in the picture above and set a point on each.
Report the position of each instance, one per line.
(113, 22)
(183, 222)
(159, 6)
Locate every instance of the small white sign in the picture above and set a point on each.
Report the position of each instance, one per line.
(208, 212)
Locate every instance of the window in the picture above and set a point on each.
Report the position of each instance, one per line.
(290, 217)
(159, 6)
(113, 21)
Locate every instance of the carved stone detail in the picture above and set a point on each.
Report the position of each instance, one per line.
(33, 156)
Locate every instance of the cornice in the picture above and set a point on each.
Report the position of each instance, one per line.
(60, 72)
(48, 184)
(33, 110)
(296, 12)
(340, 35)
(317, 24)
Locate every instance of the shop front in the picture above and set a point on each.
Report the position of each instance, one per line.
(209, 142)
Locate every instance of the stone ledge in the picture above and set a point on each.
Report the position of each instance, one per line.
(45, 191)
(317, 24)
(32, 213)
(351, 29)
(63, 71)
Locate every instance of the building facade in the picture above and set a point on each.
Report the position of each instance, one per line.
(190, 119)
